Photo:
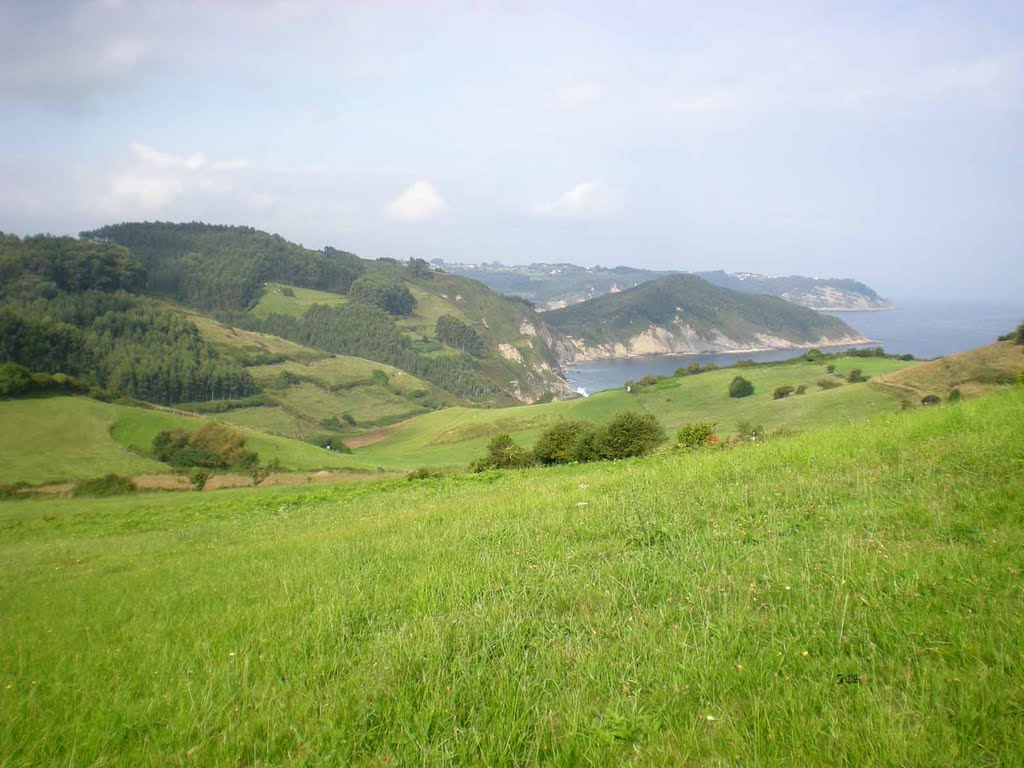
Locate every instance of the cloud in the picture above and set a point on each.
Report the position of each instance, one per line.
(419, 202)
(153, 181)
(586, 201)
(580, 94)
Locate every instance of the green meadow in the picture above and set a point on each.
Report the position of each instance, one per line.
(53, 439)
(846, 597)
(456, 436)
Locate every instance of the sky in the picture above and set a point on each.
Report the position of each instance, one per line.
(882, 141)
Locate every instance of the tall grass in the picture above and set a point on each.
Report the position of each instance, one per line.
(680, 610)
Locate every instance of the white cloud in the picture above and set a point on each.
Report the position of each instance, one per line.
(419, 202)
(587, 200)
(165, 160)
(154, 181)
(580, 94)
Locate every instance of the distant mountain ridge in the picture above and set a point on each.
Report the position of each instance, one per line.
(555, 286)
(683, 314)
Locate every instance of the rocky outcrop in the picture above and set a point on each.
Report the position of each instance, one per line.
(683, 340)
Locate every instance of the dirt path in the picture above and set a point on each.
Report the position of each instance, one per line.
(369, 438)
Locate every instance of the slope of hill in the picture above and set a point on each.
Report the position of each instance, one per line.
(68, 438)
(682, 314)
(265, 283)
(456, 436)
(850, 597)
(555, 286)
(828, 294)
(972, 373)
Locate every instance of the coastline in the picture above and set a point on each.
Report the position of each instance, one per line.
(854, 341)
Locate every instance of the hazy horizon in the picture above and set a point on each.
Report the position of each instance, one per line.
(873, 141)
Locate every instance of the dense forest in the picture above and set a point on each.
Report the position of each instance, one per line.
(223, 268)
(66, 309)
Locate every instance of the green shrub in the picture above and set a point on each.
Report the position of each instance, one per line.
(695, 435)
(931, 400)
(830, 368)
(347, 418)
(746, 430)
(629, 434)
(802, 389)
(560, 443)
(329, 441)
(503, 453)
(855, 376)
(212, 445)
(650, 380)
(740, 387)
(954, 396)
(783, 392)
(108, 485)
(199, 476)
(424, 473)
(14, 379)
(287, 290)
(828, 383)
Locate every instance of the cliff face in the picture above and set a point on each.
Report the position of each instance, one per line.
(684, 340)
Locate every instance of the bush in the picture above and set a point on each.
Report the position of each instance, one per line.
(855, 376)
(561, 442)
(199, 477)
(503, 453)
(630, 434)
(330, 442)
(14, 379)
(347, 418)
(830, 368)
(740, 387)
(828, 383)
(746, 430)
(954, 396)
(212, 445)
(287, 290)
(931, 400)
(649, 380)
(802, 389)
(424, 473)
(782, 392)
(695, 435)
(813, 355)
(108, 485)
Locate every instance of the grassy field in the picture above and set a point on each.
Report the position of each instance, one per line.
(680, 610)
(243, 344)
(68, 438)
(456, 436)
(973, 372)
(274, 301)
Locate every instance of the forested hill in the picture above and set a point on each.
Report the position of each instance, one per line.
(450, 331)
(681, 314)
(214, 267)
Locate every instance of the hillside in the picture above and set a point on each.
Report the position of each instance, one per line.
(69, 438)
(848, 597)
(456, 436)
(682, 314)
(974, 372)
(827, 294)
(262, 282)
(554, 286)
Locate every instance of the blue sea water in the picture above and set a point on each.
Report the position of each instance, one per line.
(924, 328)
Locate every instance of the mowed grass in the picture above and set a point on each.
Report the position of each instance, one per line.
(273, 301)
(50, 439)
(679, 610)
(53, 439)
(456, 436)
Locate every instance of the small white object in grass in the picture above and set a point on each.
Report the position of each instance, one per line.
(581, 503)
(712, 718)
(584, 486)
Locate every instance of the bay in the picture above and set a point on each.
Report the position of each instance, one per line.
(924, 328)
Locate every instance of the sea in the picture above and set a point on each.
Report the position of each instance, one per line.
(924, 328)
